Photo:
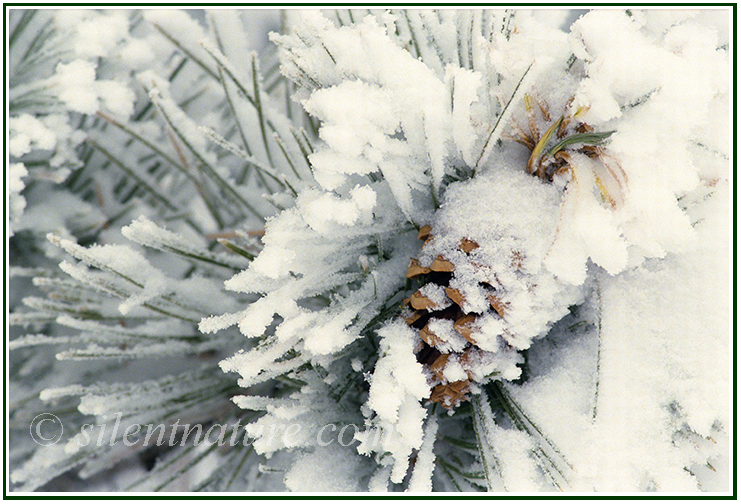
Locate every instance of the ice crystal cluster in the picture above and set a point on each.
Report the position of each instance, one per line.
(384, 250)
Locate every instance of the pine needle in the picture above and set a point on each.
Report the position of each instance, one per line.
(495, 131)
(130, 171)
(591, 138)
(185, 51)
(488, 461)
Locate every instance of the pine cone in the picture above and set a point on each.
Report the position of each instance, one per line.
(482, 302)
(453, 357)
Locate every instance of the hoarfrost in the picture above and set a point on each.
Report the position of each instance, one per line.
(396, 387)
(81, 92)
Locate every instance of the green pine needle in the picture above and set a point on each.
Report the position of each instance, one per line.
(591, 138)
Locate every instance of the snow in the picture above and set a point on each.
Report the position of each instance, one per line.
(81, 92)
(323, 211)
(443, 328)
(100, 35)
(587, 230)
(410, 102)
(465, 84)
(326, 461)
(397, 385)
(137, 54)
(16, 203)
(68, 208)
(454, 371)
(424, 465)
(274, 261)
(673, 343)
(159, 92)
(116, 98)
(436, 294)
(28, 133)
(652, 368)
(76, 80)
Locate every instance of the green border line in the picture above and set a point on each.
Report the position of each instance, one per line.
(299, 496)
(6, 285)
(734, 101)
(372, 4)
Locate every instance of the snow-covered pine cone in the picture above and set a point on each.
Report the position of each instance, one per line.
(431, 311)
(486, 293)
(489, 287)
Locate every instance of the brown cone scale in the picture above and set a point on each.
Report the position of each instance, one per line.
(429, 337)
(416, 270)
(442, 265)
(455, 295)
(498, 305)
(463, 327)
(421, 302)
(468, 246)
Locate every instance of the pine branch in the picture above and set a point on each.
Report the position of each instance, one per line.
(147, 233)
